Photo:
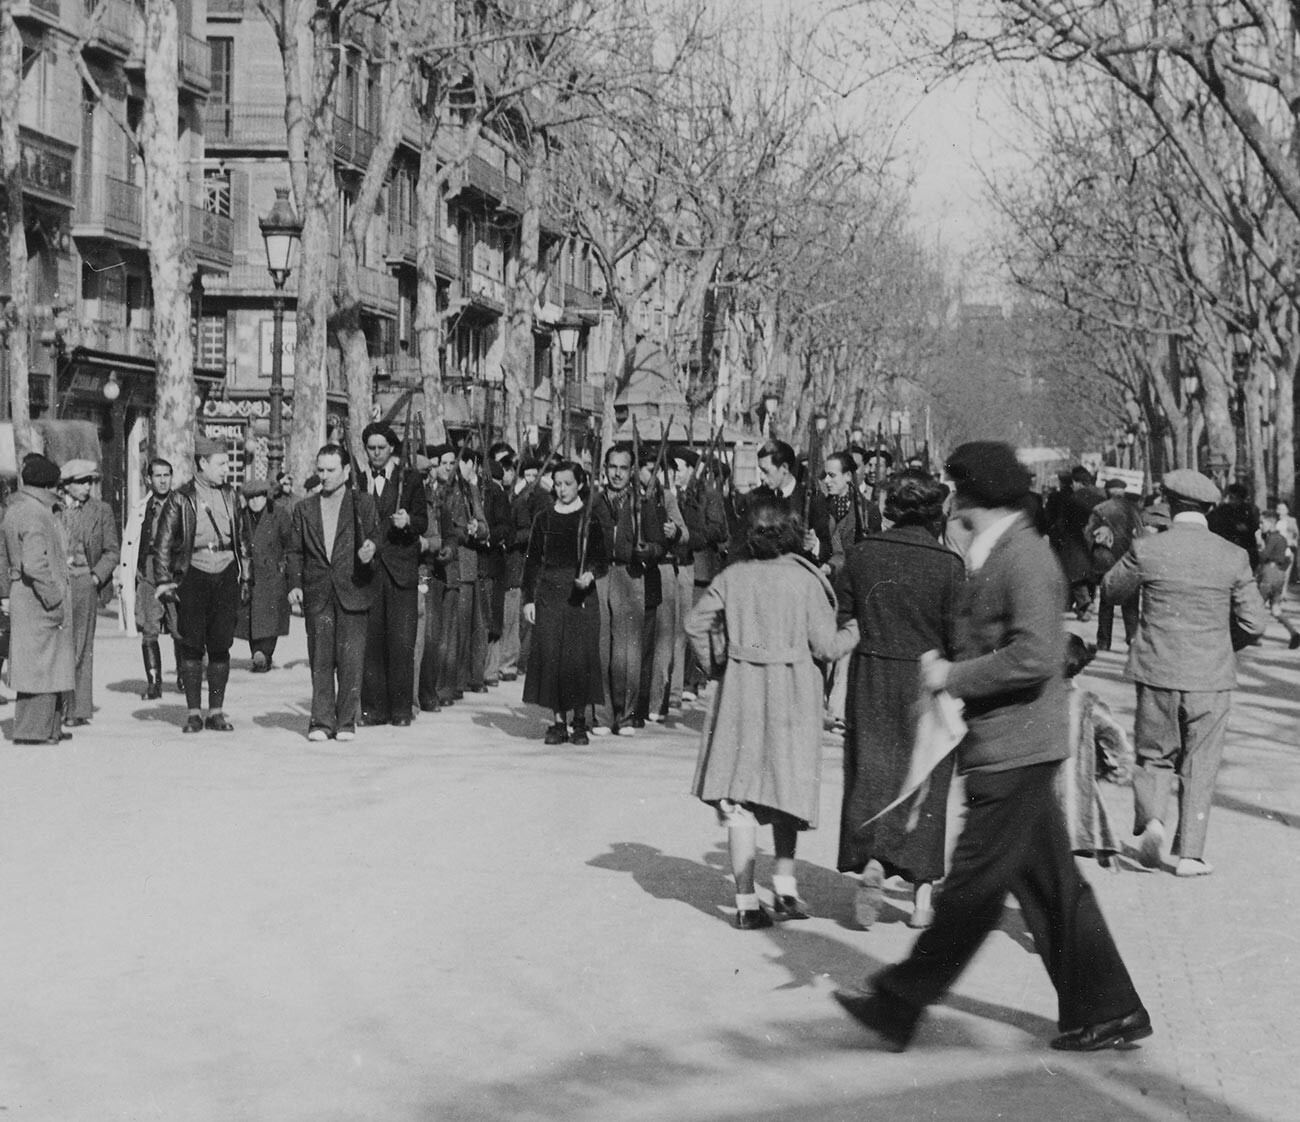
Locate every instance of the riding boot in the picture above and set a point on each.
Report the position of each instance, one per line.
(152, 669)
(218, 676)
(190, 672)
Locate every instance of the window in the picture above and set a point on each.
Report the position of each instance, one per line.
(212, 342)
(216, 192)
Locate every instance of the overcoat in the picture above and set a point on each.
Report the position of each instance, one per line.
(267, 611)
(762, 739)
(35, 578)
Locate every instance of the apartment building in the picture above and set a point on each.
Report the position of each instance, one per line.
(91, 352)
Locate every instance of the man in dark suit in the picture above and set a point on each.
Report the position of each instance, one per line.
(1198, 603)
(777, 465)
(388, 684)
(1009, 655)
(331, 548)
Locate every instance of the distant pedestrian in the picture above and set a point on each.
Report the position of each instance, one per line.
(152, 617)
(1008, 670)
(761, 626)
(93, 552)
(36, 591)
(560, 603)
(1110, 531)
(1199, 603)
(330, 575)
(1236, 519)
(1274, 560)
(265, 618)
(901, 587)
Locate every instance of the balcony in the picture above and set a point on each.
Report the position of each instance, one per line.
(580, 298)
(109, 208)
(352, 143)
(44, 12)
(586, 396)
(244, 125)
(211, 237)
(399, 370)
(193, 62)
(486, 292)
(378, 290)
(224, 8)
(494, 183)
(110, 27)
(47, 168)
(117, 338)
(401, 241)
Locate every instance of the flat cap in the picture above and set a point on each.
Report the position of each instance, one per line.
(252, 487)
(206, 446)
(75, 470)
(1191, 485)
(685, 455)
(988, 473)
(39, 471)
(437, 451)
(1116, 485)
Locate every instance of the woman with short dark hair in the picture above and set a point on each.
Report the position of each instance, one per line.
(760, 627)
(899, 585)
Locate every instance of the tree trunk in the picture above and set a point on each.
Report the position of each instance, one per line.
(171, 264)
(18, 316)
(309, 118)
(523, 296)
(621, 346)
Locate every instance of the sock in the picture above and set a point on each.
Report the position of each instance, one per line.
(784, 886)
(747, 901)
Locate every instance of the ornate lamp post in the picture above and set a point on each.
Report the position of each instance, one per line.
(1240, 377)
(281, 231)
(569, 337)
(1190, 383)
(770, 404)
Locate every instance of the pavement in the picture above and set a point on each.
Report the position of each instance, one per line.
(453, 921)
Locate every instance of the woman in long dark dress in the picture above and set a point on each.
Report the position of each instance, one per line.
(265, 617)
(900, 586)
(560, 602)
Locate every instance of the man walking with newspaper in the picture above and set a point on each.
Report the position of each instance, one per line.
(1009, 653)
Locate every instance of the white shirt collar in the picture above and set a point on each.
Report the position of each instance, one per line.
(788, 489)
(981, 545)
(1195, 517)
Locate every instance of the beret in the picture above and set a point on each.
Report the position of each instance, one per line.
(206, 446)
(378, 428)
(252, 487)
(74, 470)
(39, 471)
(437, 451)
(688, 457)
(1111, 484)
(877, 454)
(988, 473)
(1190, 485)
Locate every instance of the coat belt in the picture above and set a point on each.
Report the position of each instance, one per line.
(764, 655)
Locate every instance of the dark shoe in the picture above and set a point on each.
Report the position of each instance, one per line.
(26, 740)
(218, 722)
(434, 708)
(193, 723)
(1151, 844)
(370, 720)
(887, 1017)
(509, 677)
(76, 722)
(752, 919)
(478, 689)
(791, 907)
(638, 722)
(1295, 642)
(61, 736)
(579, 734)
(402, 722)
(152, 692)
(4, 701)
(1106, 1034)
(556, 734)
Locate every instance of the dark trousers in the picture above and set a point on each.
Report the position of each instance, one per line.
(336, 649)
(1178, 732)
(472, 654)
(435, 599)
(1015, 841)
(388, 684)
(207, 605)
(85, 615)
(1106, 619)
(447, 671)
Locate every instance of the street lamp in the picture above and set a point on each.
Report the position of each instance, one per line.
(1190, 384)
(1241, 347)
(281, 231)
(4, 349)
(568, 337)
(770, 403)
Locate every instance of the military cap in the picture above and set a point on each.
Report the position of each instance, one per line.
(79, 471)
(252, 487)
(1191, 485)
(206, 446)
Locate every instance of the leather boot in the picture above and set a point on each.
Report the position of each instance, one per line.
(218, 676)
(190, 673)
(152, 670)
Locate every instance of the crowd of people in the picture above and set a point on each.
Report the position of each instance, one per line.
(802, 604)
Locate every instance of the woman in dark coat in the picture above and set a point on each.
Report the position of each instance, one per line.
(266, 615)
(560, 602)
(900, 587)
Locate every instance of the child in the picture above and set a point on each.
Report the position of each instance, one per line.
(1274, 559)
(1099, 749)
(759, 627)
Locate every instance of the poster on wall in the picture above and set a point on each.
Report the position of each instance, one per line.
(266, 332)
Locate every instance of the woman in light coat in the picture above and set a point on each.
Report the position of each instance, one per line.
(761, 626)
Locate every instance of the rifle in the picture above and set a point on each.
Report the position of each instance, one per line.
(584, 520)
(814, 471)
(635, 485)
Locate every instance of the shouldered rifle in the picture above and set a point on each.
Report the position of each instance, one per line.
(635, 484)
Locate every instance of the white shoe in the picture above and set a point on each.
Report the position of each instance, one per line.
(599, 730)
(346, 734)
(1151, 843)
(317, 735)
(1193, 867)
(687, 696)
(626, 730)
(655, 718)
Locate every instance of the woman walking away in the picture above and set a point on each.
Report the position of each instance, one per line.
(900, 586)
(560, 603)
(760, 627)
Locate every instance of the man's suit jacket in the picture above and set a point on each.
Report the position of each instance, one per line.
(1009, 649)
(1195, 589)
(398, 551)
(322, 573)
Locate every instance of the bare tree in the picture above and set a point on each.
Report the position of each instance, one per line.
(18, 315)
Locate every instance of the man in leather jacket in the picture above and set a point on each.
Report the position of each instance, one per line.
(202, 562)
